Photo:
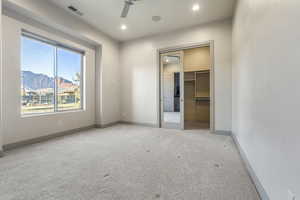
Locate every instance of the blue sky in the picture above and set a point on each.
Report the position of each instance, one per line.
(38, 57)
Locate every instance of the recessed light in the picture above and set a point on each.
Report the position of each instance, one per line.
(196, 7)
(123, 27)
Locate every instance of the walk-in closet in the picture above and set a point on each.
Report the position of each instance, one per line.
(186, 80)
(196, 64)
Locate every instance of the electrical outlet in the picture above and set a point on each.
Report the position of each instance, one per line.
(291, 195)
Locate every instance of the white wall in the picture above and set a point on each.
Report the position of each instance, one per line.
(140, 72)
(266, 97)
(108, 88)
(17, 128)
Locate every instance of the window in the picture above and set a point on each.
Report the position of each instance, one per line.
(51, 76)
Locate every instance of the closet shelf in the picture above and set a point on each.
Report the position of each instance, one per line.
(203, 72)
(196, 68)
(189, 80)
(202, 98)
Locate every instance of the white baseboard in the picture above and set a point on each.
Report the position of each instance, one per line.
(222, 132)
(44, 138)
(259, 187)
(69, 132)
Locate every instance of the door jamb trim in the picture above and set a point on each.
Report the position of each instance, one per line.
(209, 43)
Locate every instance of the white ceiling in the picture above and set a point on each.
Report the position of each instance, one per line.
(176, 14)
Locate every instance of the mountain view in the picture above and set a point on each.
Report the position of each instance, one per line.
(38, 91)
(33, 81)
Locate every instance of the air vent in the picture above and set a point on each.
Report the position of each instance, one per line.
(156, 18)
(75, 10)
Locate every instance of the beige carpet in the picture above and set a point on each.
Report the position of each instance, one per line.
(127, 162)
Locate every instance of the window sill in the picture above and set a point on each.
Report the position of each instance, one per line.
(51, 113)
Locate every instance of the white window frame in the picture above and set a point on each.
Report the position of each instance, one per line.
(56, 45)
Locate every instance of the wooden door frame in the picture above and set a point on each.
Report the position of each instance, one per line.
(210, 44)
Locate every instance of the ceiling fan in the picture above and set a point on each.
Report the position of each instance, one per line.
(126, 8)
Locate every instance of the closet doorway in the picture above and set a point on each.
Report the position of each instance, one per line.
(186, 87)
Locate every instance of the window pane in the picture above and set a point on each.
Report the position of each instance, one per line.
(37, 76)
(68, 79)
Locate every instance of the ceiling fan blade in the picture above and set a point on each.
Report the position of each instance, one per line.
(126, 9)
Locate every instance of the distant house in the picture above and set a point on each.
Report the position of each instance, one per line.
(68, 93)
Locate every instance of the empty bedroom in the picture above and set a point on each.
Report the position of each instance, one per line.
(149, 99)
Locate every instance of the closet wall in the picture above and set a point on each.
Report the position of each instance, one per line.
(197, 88)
